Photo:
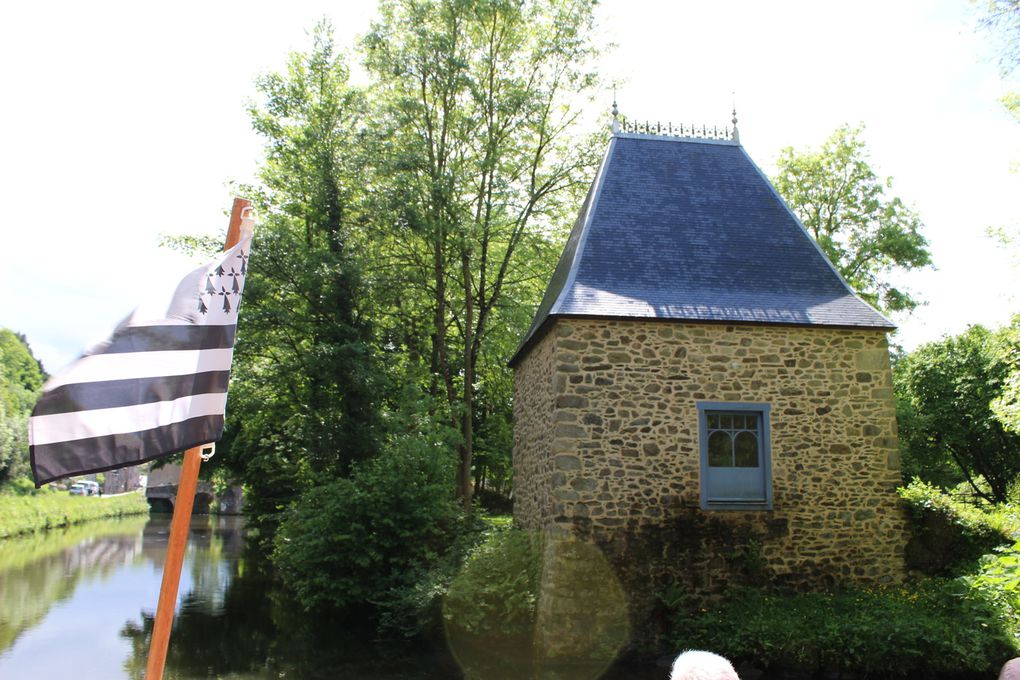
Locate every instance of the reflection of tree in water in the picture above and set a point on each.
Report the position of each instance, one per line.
(235, 622)
(38, 571)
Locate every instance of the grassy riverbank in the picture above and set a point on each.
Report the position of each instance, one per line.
(47, 510)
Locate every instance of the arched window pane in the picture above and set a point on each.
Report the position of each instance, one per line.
(720, 450)
(746, 449)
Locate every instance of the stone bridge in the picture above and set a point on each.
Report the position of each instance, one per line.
(163, 497)
(161, 492)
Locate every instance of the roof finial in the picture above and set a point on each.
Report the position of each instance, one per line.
(616, 114)
(736, 135)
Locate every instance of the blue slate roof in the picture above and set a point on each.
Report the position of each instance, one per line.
(691, 229)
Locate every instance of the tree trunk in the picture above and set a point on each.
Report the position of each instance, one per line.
(465, 487)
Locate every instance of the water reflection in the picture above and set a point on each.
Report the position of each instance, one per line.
(41, 570)
(81, 603)
(234, 622)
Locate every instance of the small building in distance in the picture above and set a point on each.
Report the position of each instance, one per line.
(122, 480)
(701, 394)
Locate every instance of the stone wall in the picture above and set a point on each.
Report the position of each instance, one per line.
(606, 446)
(534, 405)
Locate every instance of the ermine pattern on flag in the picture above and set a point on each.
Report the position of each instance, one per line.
(157, 386)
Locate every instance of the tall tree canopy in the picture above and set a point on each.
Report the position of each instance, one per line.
(867, 234)
(305, 394)
(407, 230)
(476, 97)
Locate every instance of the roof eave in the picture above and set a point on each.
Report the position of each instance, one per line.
(547, 323)
(544, 310)
(807, 234)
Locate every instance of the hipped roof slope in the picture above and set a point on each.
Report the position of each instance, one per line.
(691, 229)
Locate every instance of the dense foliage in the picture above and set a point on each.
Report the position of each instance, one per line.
(948, 428)
(21, 379)
(373, 537)
(496, 593)
(998, 582)
(884, 632)
(407, 229)
(842, 202)
(475, 106)
(305, 393)
(962, 623)
(1006, 406)
(951, 535)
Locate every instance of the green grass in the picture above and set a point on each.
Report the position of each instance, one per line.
(47, 510)
(498, 521)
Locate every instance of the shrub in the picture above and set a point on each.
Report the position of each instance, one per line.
(927, 629)
(496, 593)
(23, 486)
(371, 540)
(998, 582)
(950, 536)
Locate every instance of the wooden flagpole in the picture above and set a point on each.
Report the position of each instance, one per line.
(182, 517)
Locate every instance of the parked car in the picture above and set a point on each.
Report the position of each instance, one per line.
(84, 488)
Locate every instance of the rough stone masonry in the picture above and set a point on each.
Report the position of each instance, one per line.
(606, 448)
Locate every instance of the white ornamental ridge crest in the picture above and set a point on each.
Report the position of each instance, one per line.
(221, 284)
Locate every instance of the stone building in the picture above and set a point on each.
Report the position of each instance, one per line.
(701, 395)
(122, 480)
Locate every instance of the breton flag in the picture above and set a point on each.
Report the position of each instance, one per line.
(158, 386)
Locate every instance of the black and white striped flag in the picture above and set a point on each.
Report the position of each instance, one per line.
(156, 387)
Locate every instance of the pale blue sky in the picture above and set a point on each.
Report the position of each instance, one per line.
(124, 120)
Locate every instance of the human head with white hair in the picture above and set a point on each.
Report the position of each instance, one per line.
(696, 665)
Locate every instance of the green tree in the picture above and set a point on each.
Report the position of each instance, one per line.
(304, 395)
(477, 102)
(368, 541)
(21, 380)
(865, 233)
(1006, 406)
(946, 389)
(21, 374)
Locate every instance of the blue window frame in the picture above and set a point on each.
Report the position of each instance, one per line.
(736, 455)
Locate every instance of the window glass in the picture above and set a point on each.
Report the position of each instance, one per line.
(746, 449)
(720, 450)
(736, 461)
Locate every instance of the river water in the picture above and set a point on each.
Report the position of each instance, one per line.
(78, 604)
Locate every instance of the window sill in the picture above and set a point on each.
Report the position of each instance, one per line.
(736, 505)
